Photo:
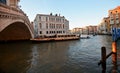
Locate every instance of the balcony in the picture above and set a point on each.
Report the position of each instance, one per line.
(117, 21)
(111, 22)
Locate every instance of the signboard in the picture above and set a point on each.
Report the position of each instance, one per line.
(115, 34)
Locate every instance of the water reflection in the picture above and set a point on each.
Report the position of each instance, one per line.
(14, 57)
(78, 56)
(48, 56)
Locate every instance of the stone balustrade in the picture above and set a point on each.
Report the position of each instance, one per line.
(11, 10)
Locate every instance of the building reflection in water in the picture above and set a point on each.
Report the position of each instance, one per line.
(14, 57)
(51, 55)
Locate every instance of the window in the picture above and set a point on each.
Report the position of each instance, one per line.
(60, 25)
(50, 26)
(63, 20)
(46, 25)
(54, 26)
(40, 18)
(40, 32)
(40, 25)
(46, 32)
(63, 26)
(59, 19)
(111, 12)
(46, 19)
(52, 32)
(117, 18)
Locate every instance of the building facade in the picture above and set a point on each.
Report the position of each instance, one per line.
(104, 26)
(114, 15)
(50, 25)
(11, 3)
(76, 30)
(89, 30)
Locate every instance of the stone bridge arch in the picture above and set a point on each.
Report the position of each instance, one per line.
(16, 29)
(14, 24)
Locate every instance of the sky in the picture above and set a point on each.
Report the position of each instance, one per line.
(80, 13)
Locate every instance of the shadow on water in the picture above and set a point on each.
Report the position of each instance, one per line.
(14, 57)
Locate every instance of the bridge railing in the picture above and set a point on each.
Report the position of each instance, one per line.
(8, 9)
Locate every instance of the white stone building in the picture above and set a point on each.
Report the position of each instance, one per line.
(102, 27)
(50, 25)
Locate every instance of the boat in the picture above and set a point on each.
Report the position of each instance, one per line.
(85, 37)
(57, 38)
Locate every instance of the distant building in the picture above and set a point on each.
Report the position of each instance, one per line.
(89, 30)
(50, 25)
(76, 31)
(114, 15)
(85, 30)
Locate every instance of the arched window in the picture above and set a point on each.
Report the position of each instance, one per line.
(63, 26)
(40, 25)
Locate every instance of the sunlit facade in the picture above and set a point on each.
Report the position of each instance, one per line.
(12, 3)
(104, 26)
(50, 25)
(77, 30)
(89, 30)
(114, 15)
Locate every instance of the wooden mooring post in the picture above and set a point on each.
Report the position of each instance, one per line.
(104, 58)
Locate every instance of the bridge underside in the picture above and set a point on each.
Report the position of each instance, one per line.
(15, 31)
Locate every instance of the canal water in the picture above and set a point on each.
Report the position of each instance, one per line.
(75, 56)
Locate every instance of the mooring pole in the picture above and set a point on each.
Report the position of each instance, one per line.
(103, 58)
(114, 57)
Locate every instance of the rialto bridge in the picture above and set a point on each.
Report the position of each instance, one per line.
(14, 24)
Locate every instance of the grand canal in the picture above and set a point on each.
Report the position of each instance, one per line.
(75, 56)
